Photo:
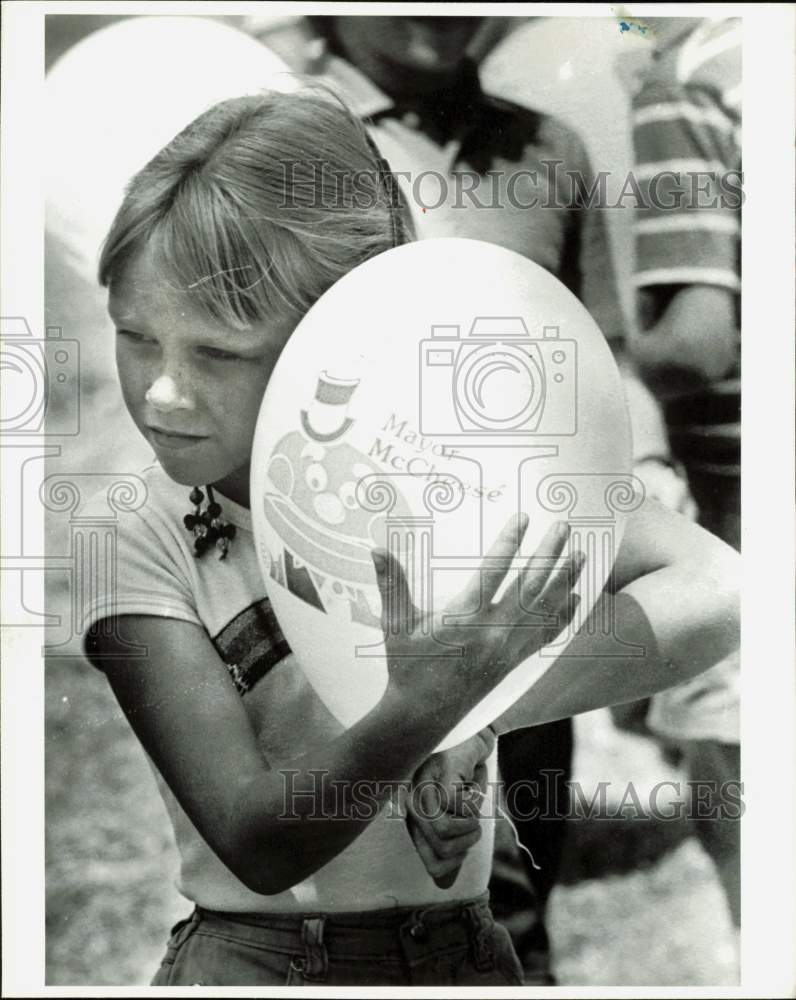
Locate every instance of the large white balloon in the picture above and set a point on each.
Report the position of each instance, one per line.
(428, 396)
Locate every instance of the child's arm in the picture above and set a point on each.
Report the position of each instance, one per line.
(675, 592)
(192, 723)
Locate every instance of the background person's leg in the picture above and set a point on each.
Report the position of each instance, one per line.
(715, 765)
(717, 490)
(536, 763)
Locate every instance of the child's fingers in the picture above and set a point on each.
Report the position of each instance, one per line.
(540, 568)
(437, 868)
(397, 609)
(442, 870)
(538, 639)
(446, 881)
(544, 564)
(555, 595)
(534, 601)
(450, 807)
(466, 796)
(484, 583)
(446, 840)
(435, 807)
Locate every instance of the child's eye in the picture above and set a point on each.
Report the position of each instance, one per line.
(134, 337)
(216, 354)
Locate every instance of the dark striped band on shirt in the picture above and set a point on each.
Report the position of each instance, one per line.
(251, 644)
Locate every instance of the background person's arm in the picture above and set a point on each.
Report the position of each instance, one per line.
(689, 336)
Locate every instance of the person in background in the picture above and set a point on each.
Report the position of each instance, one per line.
(687, 139)
(474, 165)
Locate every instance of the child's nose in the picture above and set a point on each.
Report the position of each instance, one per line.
(165, 395)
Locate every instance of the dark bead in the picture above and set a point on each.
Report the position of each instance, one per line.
(200, 546)
(214, 509)
(228, 531)
(189, 521)
(196, 495)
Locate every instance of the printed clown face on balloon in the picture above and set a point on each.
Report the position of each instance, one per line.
(319, 506)
(317, 509)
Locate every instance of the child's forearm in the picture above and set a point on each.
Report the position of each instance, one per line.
(303, 814)
(271, 828)
(680, 632)
(426, 697)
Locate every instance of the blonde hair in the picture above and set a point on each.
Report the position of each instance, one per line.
(260, 205)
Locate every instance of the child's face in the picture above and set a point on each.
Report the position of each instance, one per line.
(192, 386)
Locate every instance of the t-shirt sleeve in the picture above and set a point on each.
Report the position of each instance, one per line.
(135, 568)
(688, 169)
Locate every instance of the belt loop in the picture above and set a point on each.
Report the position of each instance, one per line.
(316, 958)
(481, 936)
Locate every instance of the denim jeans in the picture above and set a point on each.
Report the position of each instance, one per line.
(455, 944)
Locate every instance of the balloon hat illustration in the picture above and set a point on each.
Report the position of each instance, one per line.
(326, 421)
(314, 507)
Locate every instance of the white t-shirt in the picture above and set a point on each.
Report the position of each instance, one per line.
(158, 574)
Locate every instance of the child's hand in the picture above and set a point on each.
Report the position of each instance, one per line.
(494, 637)
(443, 809)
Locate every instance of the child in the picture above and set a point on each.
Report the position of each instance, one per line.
(218, 249)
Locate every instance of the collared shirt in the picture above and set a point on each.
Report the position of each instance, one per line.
(477, 166)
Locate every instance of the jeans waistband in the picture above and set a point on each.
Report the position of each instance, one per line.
(371, 933)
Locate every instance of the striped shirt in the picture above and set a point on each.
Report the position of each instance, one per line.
(687, 137)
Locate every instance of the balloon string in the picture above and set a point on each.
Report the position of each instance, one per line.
(475, 790)
(522, 847)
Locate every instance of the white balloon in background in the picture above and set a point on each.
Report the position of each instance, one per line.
(118, 96)
(426, 398)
